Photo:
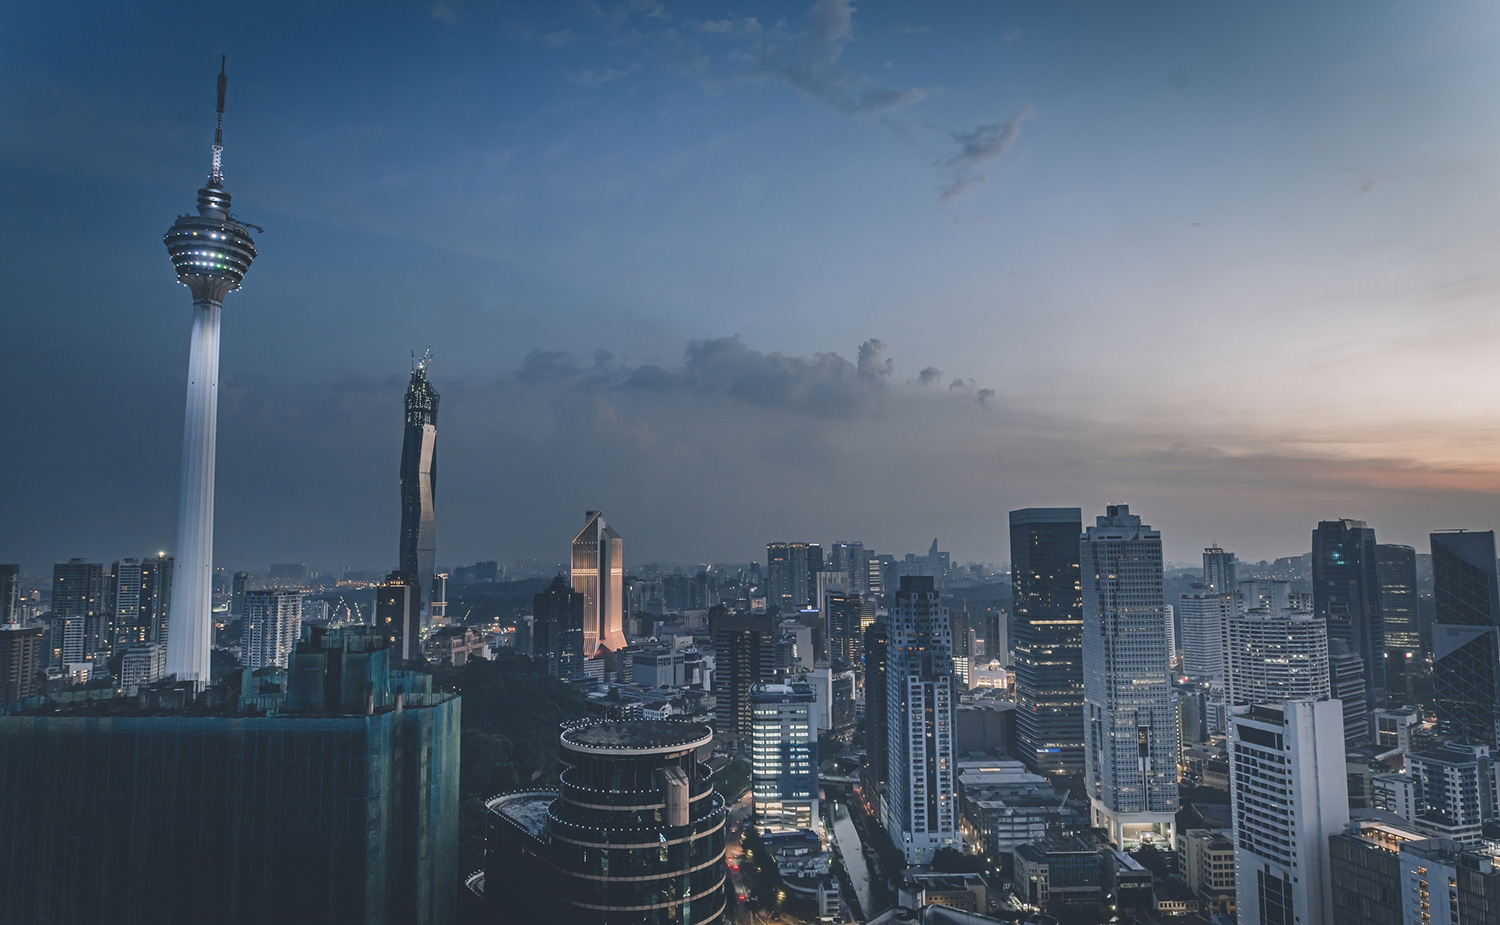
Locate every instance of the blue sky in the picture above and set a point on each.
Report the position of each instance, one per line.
(1231, 263)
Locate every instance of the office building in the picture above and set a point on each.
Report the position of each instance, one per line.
(557, 629)
(1208, 867)
(1288, 793)
(396, 615)
(833, 690)
(143, 664)
(1270, 657)
(336, 801)
(1047, 639)
(1466, 636)
(1396, 568)
(21, 661)
(922, 799)
(1203, 614)
(1444, 882)
(791, 570)
(784, 757)
(877, 733)
(564, 856)
(1346, 593)
(1131, 737)
(418, 546)
(744, 655)
(211, 252)
(77, 606)
(1219, 571)
(1006, 806)
(273, 624)
(1346, 682)
(129, 629)
(237, 588)
(852, 560)
(599, 575)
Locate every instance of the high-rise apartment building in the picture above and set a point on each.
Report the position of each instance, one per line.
(418, 547)
(599, 575)
(77, 601)
(143, 664)
(20, 662)
(1270, 657)
(853, 559)
(129, 629)
(1454, 790)
(845, 632)
(10, 594)
(1346, 593)
(273, 624)
(1047, 638)
(396, 615)
(237, 588)
(1219, 571)
(784, 757)
(1396, 567)
(790, 575)
(156, 597)
(1466, 635)
(1130, 735)
(1204, 614)
(922, 800)
(1346, 678)
(557, 629)
(744, 655)
(211, 252)
(1288, 794)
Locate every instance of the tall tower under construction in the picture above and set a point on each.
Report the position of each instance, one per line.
(212, 251)
(419, 485)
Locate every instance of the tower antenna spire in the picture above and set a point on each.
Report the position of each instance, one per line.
(218, 175)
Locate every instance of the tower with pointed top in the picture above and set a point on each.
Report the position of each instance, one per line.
(419, 487)
(211, 251)
(599, 575)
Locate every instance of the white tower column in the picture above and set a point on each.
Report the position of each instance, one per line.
(190, 627)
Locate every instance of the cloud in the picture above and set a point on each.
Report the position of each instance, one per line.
(544, 366)
(590, 78)
(810, 62)
(960, 385)
(983, 397)
(979, 147)
(929, 375)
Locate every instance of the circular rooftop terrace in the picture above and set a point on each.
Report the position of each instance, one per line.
(637, 737)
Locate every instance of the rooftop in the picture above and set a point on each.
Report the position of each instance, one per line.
(638, 735)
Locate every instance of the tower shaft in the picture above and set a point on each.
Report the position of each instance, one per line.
(190, 631)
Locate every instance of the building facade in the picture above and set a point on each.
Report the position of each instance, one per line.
(599, 575)
(1270, 657)
(273, 624)
(922, 799)
(396, 615)
(1131, 736)
(791, 570)
(557, 629)
(1346, 593)
(21, 662)
(744, 655)
(1203, 614)
(1396, 568)
(1466, 635)
(1288, 793)
(1046, 637)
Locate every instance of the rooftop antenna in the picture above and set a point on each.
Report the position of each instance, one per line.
(426, 360)
(217, 177)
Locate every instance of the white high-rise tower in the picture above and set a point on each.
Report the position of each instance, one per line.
(212, 252)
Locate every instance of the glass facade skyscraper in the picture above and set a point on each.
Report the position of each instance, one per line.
(1130, 739)
(1396, 567)
(1046, 637)
(784, 757)
(1346, 593)
(599, 575)
(1466, 636)
(419, 488)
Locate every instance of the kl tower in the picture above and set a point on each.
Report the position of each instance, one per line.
(212, 252)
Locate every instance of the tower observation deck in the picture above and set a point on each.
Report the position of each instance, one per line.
(211, 252)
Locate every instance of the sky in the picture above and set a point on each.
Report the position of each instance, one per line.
(744, 272)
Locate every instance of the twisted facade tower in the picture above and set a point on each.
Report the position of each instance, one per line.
(419, 486)
(212, 252)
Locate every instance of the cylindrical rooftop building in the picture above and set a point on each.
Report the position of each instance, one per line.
(634, 836)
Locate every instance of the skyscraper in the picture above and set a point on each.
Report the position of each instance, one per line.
(1270, 656)
(744, 655)
(1131, 725)
(1047, 638)
(1346, 593)
(1396, 568)
(845, 632)
(790, 575)
(20, 662)
(10, 594)
(784, 757)
(419, 486)
(922, 801)
(273, 624)
(129, 628)
(156, 597)
(1466, 635)
(1218, 570)
(1288, 794)
(396, 615)
(599, 575)
(877, 735)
